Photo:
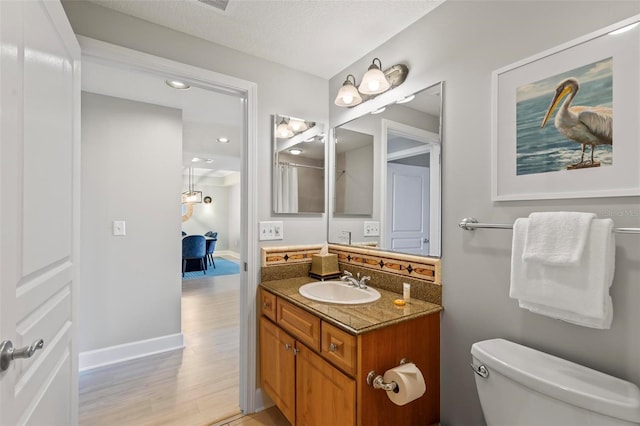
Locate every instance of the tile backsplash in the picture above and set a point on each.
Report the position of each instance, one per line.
(388, 270)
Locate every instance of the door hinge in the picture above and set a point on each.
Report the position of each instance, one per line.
(246, 266)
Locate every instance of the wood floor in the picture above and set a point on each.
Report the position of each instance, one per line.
(195, 386)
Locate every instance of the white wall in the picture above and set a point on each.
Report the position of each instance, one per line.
(210, 217)
(129, 284)
(234, 218)
(306, 96)
(462, 42)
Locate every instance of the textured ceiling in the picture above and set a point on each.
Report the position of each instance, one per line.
(321, 37)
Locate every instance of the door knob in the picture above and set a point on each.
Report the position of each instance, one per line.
(8, 353)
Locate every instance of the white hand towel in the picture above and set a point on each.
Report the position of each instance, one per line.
(556, 238)
(601, 323)
(571, 293)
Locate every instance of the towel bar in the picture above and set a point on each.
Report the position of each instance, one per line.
(470, 224)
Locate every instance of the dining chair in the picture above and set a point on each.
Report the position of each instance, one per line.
(211, 246)
(194, 248)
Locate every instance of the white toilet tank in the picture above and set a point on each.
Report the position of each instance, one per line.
(528, 387)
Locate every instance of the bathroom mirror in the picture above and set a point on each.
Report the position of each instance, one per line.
(298, 176)
(404, 177)
(353, 185)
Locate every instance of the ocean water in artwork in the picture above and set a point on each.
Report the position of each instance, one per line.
(544, 150)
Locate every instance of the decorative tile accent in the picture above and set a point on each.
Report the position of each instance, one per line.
(407, 265)
(421, 268)
(286, 255)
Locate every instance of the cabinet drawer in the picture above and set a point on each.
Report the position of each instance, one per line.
(268, 304)
(301, 324)
(339, 347)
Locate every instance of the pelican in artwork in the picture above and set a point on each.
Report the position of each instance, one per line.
(585, 125)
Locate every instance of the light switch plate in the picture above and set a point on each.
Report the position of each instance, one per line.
(371, 229)
(271, 230)
(119, 228)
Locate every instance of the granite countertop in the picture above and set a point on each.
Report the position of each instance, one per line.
(355, 319)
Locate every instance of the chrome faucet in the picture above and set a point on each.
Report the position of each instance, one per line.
(356, 282)
(348, 278)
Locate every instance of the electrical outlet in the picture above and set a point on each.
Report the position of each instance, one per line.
(119, 228)
(371, 229)
(272, 230)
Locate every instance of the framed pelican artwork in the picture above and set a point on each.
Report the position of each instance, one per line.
(554, 116)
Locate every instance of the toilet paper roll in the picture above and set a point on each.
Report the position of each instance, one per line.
(410, 383)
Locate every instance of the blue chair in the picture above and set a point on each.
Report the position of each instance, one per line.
(211, 246)
(184, 233)
(194, 247)
(211, 234)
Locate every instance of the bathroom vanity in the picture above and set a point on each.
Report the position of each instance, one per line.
(315, 357)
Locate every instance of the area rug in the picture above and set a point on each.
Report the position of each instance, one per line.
(223, 267)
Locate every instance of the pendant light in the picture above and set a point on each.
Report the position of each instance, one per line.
(374, 81)
(191, 196)
(348, 94)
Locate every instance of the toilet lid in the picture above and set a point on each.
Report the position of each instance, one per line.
(561, 379)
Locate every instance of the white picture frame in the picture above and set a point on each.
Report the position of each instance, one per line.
(532, 162)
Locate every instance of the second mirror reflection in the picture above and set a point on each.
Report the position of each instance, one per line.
(298, 165)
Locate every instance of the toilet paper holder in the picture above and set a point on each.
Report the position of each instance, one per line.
(377, 381)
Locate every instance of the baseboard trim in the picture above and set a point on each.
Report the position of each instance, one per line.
(229, 253)
(114, 354)
(262, 401)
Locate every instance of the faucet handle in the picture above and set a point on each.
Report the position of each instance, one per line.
(363, 281)
(347, 273)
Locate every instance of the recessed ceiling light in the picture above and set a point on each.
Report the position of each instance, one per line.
(177, 84)
(295, 151)
(223, 140)
(209, 160)
(196, 159)
(407, 99)
(379, 110)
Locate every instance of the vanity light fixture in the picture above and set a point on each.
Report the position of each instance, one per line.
(177, 84)
(374, 81)
(283, 130)
(348, 94)
(295, 151)
(191, 196)
(297, 125)
(223, 140)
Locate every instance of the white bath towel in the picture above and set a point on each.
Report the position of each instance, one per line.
(575, 293)
(556, 238)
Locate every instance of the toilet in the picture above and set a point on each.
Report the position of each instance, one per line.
(518, 385)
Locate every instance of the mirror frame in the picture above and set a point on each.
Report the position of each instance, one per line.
(390, 98)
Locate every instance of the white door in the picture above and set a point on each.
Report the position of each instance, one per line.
(39, 211)
(407, 209)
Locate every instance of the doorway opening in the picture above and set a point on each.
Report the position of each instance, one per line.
(239, 246)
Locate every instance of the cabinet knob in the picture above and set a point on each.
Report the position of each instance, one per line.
(287, 346)
(333, 347)
(266, 305)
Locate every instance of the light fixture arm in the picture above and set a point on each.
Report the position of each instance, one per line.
(374, 66)
(347, 81)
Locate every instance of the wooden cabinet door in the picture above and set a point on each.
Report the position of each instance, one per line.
(325, 396)
(277, 367)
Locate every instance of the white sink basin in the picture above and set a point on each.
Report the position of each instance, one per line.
(338, 292)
